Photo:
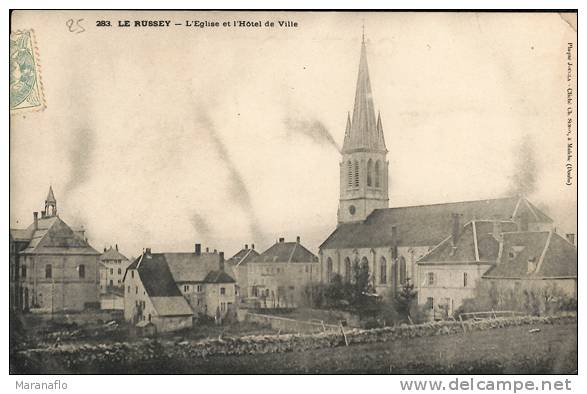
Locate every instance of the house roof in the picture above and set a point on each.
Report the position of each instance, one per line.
(155, 275)
(553, 256)
(286, 252)
(112, 254)
(242, 257)
(426, 225)
(218, 277)
(475, 243)
(189, 267)
(172, 306)
(54, 236)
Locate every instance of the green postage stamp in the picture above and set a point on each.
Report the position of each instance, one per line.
(26, 89)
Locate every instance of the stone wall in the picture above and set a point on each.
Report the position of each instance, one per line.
(117, 356)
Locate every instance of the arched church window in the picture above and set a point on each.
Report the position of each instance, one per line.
(356, 173)
(350, 173)
(370, 173)
(347, 269)
(329, 269)
(382, 270)
(402, 270)
(377, 175)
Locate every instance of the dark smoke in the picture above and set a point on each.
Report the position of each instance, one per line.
(80, 151)
(238, 191)
(202, 226)
(523, 180)
(313, 129)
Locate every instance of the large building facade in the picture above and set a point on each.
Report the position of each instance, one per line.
(53, 267)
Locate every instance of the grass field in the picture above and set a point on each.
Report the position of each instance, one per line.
(509, 350)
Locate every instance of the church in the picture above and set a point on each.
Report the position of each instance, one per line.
(389, 241)
(53, 268)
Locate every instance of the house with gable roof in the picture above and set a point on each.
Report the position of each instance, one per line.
(496, 252)
(237, 267)
(113, 265)
(169, 289)
(277, 277)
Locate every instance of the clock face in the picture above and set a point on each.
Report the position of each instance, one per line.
(352, 209)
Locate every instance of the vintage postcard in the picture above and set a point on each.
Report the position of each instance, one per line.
(288, 192)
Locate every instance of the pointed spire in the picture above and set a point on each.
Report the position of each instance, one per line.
(50, 195)
(347, 131)
(364, 133)
(380, 136)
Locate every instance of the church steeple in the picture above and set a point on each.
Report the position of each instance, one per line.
(50, 204)
(363, 132)
(364, 166)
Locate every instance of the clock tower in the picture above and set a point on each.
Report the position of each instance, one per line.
(364, 165)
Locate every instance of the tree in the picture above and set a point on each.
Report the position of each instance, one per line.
(404, 299)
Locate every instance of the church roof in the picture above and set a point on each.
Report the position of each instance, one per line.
(364, 131)
(54, 236)
(50, 196)
(425, 225)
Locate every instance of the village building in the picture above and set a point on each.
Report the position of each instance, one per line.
(498, 253)
(279, 275)
(537, 260)
(53, 268)
(170, 289)
(389, 241)
(237, 267)
(113, 265)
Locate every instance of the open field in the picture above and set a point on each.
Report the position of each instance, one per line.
(553, 349)
(509, 350)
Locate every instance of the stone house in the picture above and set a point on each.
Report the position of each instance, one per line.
(53, 267)
(537, 260)
(236, 266)
(278, 276)
(113, 265)
(495, 252)
(169, 289)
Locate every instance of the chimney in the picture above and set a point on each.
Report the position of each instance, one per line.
(253, 246)
(456, 228)
(207, 250)
(43, 214)
(221, 260)
(104, 249)
(246, 246)
(148, 252)
(198, 249)
(281, 240)
(571, 238)
(298, 239)
(215, 251)
(497, 230)
(116, 246)
(36, 222)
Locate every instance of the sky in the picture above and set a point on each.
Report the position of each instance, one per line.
(166, 137)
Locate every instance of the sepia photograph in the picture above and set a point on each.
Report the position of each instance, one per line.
(292, 192)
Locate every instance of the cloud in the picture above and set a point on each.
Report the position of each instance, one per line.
(80, 153)
(525, 174)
